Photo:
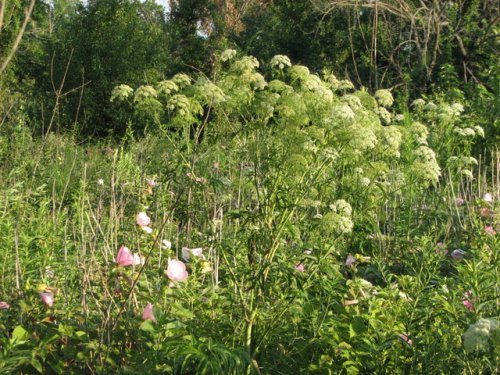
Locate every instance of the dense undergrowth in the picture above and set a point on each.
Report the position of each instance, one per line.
(321, 233)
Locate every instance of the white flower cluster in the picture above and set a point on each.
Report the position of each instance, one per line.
(167, 87)
(246, 64)
(427, 163)
(384, 115)
(420, 133)
(228, 54)
(466, 132)
(209, 92)
(345, 85)
(342, 207)
(336, 223)
(353, 101)
(362, 138)
(391, 137)
(279, 86)
(418, 103)
(180, 103)
(343, 112)
(384, 98)
(480, 334)
(299, 73)
(121, 92)
(280, 61)
(182, 80)
(430, 107)
(144, 92)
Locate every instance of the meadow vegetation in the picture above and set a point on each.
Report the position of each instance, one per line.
(258, 218)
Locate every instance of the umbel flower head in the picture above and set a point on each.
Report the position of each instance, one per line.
(482, 334)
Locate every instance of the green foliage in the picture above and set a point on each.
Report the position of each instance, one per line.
(316, 239)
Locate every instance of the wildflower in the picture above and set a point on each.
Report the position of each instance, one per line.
(300, 267)
(458, 254)
(151, 183)
(166, 244)
(187, 253)
(126, 258)
(4, 305)
(468, 304)
(148, 313)
(280, 61)
(485, 212)
(384, 98)
(459, 201)
(478, 335)
(489, 230)
(100, 182)
(308, 251)
(176, 270)
(350, 260)
(405, 339)
(487, 197)
(143, 219)
(47, 299)
(148, 230)
(139, 259)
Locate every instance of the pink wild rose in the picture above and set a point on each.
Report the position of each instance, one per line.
(47, 299)
(485, 212)
(489, 230)
(300, 267)
(125, 257)
(468, 304)
(143, 219)
(148, 313)
(176, 270)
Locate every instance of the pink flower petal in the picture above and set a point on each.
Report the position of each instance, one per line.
(148, 313)
(489, 229)
(300, 267)
(176, 270)
(124, 257)
(143, 219)
(4, 305)
(468, 304)
(47, 299)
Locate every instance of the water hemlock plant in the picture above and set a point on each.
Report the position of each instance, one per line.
(267, 220)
